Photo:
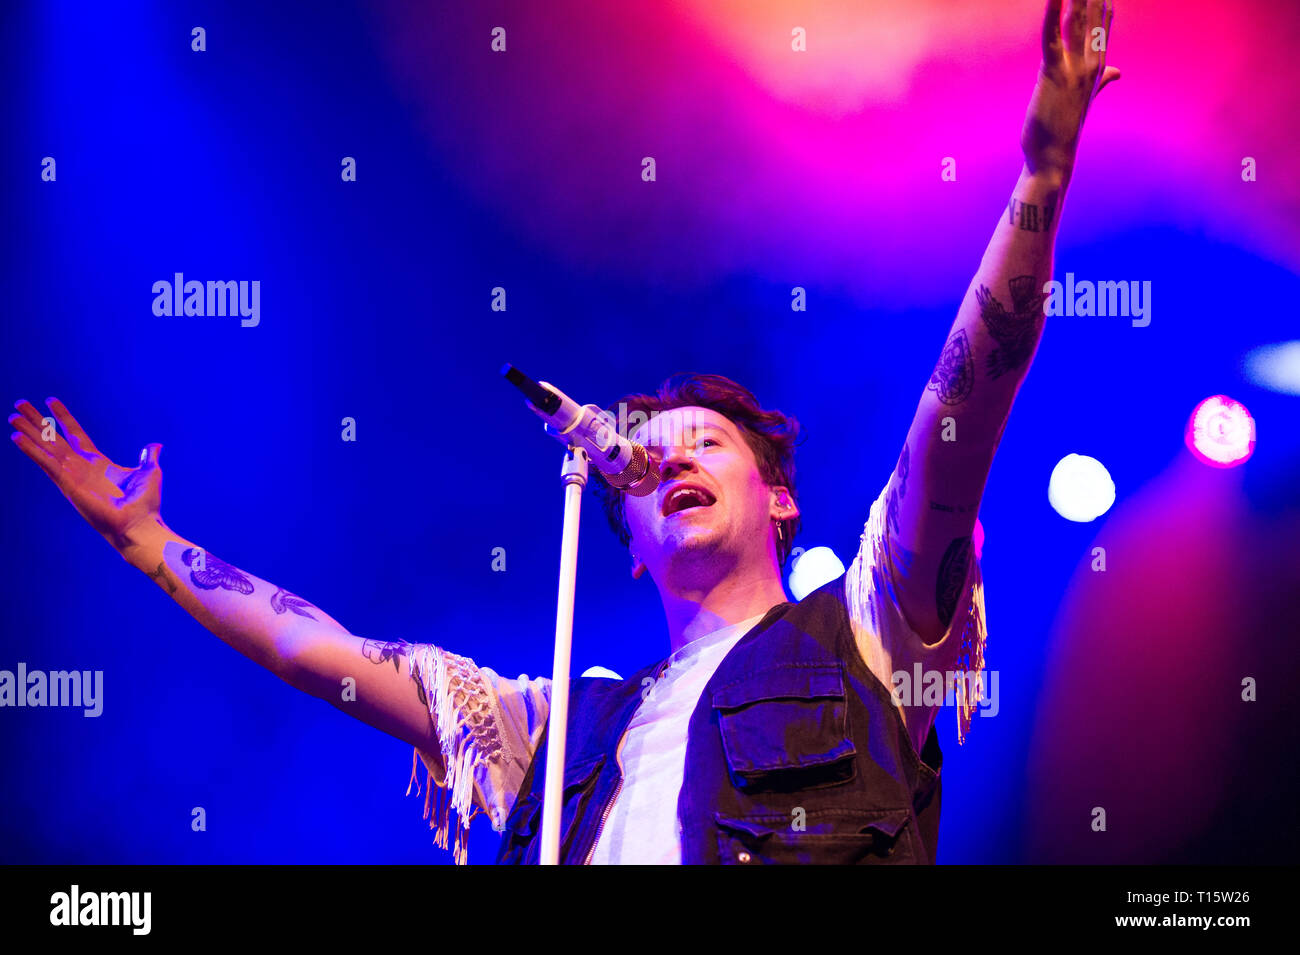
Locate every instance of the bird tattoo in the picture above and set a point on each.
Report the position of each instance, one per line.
(1016, 332)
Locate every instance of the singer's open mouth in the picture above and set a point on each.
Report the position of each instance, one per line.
(685, 496)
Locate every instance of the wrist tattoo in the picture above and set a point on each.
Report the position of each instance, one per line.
(1016, 332)
(160, 575)
(216, 573)
(282, 600)
(950, 509)
(954, 376)
(952, 578)
(1032, 218)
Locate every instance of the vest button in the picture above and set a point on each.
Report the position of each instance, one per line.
(742, 856)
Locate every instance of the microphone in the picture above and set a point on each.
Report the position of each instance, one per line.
(625, 464)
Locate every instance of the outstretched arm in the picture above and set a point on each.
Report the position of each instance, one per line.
(278, 630)
(934, 493)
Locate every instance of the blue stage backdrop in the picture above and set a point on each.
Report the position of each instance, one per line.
(417, 208)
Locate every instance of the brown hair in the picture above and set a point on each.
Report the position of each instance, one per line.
(771, 436)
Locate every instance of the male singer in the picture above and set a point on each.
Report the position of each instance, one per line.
(773, 731)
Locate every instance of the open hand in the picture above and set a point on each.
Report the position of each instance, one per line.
(1072, 73)
(113, 499)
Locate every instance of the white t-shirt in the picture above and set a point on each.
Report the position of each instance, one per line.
(489, 727)
(652, 756)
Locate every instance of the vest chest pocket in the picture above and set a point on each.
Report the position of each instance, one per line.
(786, 728)
(850, 838)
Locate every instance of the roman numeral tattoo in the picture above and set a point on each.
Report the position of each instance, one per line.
(954, 376)
(1016, 332)
(282, 601)
(952, 578)
(1030, 216)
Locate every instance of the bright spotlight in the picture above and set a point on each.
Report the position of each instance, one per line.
(1080, 488)
(812, 568)
(1221, 432)
(1275, 366)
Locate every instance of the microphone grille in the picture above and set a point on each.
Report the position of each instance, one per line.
(638, 478)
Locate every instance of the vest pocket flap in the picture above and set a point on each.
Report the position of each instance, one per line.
(868, 838)
(786, 728)
(787, 682)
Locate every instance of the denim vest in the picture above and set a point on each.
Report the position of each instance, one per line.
(795, 754)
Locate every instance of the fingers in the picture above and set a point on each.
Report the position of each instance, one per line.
(28, 411)
(57, 446)
(1076, 18)
(1052, 31)
(37, 453)
(1108, 74)
(1110, 18)
(29, 421)
(70, 425)
(1092, 57)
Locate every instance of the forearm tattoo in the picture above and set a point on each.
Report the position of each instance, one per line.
(952, 578)
(382, 651)
(1032, 218)
(161, 575)
(282, 600)
(952, 509)
(954, 376)
(1016, 332)
(216, 573)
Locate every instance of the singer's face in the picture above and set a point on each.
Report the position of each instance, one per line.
(711, 501)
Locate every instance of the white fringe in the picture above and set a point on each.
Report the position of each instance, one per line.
(433, 667)
(970, 667)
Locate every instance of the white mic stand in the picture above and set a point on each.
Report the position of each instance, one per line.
(630, 468)
(573, 475)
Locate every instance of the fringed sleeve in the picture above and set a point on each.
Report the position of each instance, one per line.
(487, 730)
(887, 641)
(970, 658)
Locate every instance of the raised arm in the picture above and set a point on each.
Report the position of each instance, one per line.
(934, 493)
(294, 639)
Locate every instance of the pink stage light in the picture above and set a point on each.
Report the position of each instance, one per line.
(1221, 432)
